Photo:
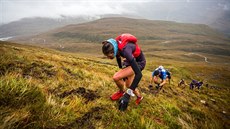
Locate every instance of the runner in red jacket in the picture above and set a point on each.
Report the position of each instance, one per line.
(125, 46)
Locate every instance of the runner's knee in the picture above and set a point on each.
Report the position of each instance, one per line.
(155, 81)
(116, 78)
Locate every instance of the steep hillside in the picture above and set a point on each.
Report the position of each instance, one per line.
(154, 37)
(43, 88)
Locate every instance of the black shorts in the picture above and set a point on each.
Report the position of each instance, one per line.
(141, 65)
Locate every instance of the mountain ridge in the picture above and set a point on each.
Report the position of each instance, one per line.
(35, 25)
(152, 34)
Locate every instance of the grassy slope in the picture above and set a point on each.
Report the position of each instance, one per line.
(43, 88)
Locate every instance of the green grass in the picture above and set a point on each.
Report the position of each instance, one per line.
(43, 88)
(24, 105)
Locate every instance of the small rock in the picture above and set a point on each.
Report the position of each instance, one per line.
(202, 101)
(224, 112)
(213, 100)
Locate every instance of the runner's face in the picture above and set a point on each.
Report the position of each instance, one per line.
(110, 55)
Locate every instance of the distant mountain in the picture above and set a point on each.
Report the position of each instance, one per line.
(222, 24)
(153, 35)
(36, 25)
(214, 14)
(144, 29)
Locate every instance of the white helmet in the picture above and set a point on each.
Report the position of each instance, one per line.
(160, 67)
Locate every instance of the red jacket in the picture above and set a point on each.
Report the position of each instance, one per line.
(123, 39)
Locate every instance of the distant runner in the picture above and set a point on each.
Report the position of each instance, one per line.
(195, 84)
(161, 73)
(125, 46)
(182, 83)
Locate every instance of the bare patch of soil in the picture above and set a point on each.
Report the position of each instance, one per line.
(86, 120)
(89, 95)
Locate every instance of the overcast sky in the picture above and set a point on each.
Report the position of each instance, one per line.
(175, 10)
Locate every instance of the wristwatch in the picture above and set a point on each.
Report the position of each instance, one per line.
(130, 92)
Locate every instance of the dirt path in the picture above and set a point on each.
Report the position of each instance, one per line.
(205, 58)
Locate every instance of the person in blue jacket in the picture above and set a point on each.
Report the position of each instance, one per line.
(162, 74)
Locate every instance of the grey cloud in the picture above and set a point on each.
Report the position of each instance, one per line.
(175, 10)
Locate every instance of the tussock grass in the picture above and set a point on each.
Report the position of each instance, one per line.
(23, 105)
(43, 88)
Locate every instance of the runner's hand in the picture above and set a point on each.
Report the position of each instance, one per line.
(158, 86)
(123, 102)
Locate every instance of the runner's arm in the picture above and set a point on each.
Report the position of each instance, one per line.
(164, 77)
(138, 74)
(162, 83)
(128, 55)
(119, 61)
